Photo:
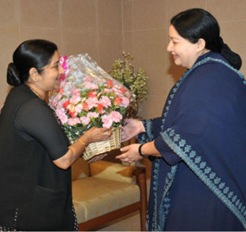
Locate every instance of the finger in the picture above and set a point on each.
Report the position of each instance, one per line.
(119, 157)
(124, 149)
(107, 134)
(104, 129)
(122, 156)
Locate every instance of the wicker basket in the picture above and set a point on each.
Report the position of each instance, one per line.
(98, 150)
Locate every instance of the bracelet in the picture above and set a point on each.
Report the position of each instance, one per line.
(81, 142)
(140, 152)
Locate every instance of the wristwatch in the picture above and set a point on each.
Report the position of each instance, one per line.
(140, 152)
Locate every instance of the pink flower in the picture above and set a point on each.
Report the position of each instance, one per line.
(92, 115)
(107, 121)
(76, 92)
(61, 115)
(92, 102)
(112, 117)
(63, 62)
(116, 116)
(75, 99)
(105, 101)
(85, 120)
(89, 85)
(125, 102)
(78, 108)
(73, 121)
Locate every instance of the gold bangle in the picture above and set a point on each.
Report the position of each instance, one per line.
(81, 142)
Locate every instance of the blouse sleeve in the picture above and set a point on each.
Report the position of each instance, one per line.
(37, 120)
(152, 128)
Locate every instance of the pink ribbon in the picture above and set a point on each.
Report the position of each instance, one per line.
(63, 62)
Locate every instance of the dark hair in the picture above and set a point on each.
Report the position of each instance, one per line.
(35, 53)
(197, 23)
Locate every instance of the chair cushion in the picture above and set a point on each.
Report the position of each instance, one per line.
(112, 171)
(80, 169)
(80, 211)
(94, 197)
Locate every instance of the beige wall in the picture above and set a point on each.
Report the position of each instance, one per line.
(103, 28)
(145, 25)
(77, 26)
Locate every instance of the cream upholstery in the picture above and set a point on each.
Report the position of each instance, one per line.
(102, 189)
(112, 171)
(101, 196)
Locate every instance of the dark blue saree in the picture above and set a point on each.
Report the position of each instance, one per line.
(200, 181)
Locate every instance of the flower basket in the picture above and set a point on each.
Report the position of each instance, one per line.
(98, 150)
(90, 97)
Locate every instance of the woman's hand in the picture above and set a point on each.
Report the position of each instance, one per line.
(131, 128)
(129, 153)
(77, 148)
(95, 134)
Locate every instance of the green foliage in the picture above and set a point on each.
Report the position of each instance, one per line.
(136, 81)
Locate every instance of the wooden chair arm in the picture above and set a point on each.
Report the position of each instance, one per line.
(140, 174)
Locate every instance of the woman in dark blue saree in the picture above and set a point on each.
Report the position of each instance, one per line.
(197, 146)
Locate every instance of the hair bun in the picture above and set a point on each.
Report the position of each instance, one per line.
(233, 58)
(13, 77)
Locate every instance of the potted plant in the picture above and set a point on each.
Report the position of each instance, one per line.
(135, 80)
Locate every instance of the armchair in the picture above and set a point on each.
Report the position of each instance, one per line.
(104, 191)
